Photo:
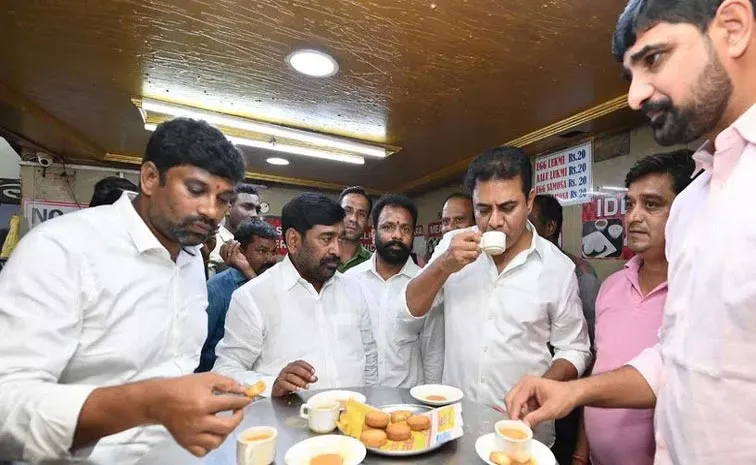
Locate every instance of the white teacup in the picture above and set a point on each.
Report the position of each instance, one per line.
(493, 242)
(513, 437)
(322, 416)
(256, 446)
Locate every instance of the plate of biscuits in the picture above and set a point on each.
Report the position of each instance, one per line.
(401, 430)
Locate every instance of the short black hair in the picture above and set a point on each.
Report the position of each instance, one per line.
(244, 188)
(679, 165)
(308, 210)
(108, 190)
(458, 195)
(357, 190)
(505, 162)
(640, 15)
(249, 229)
(184, 141)
(549, 209)
(395, 200)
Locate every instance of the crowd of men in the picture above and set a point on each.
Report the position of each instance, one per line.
(120, 344)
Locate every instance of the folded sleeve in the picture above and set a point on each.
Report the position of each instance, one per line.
(41, 301)
(569, 332)
(649, 365)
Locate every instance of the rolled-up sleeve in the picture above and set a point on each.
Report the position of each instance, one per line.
(41, 293)
(242, 343)
(569, 332)
(649, 365)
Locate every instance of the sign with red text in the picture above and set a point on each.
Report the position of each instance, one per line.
(604, 228)
(566, 175)
(39, 211)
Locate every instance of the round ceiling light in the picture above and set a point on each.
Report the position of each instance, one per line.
(278, 161)
(313, 63)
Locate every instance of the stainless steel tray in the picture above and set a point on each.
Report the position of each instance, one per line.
(416, 409)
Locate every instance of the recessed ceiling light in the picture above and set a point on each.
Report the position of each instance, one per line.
(278, 161)
(313, 63)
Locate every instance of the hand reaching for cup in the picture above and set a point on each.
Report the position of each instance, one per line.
(463, 250)
(535, 400)
(187, 407)
(295, 377)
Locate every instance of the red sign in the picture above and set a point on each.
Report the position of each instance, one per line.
(604, 228)
(275, 221)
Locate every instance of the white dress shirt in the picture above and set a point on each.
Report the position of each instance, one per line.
(499, 325)
(279, 317)
(410, 352)
(702, 370)
(92, 299)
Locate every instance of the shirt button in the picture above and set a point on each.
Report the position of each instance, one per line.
(485, 349)
(490, 317)
(483, 380)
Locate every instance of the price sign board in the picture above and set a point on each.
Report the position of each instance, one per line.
(566, 175)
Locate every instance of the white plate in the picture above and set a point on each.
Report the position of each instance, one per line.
(451, 393)
(340, 396)
(351, 450)
(486, 444)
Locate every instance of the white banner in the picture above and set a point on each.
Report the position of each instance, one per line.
(39, 211)
(566, 175)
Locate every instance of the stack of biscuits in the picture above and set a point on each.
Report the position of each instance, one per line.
(381, 427)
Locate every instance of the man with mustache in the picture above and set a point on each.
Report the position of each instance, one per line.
(457, 213)
(629, 309)
(301, 310)
(502, 313)
(253, 252)
(692, 66)
(103, 317)
(357, 205)
(408, 354)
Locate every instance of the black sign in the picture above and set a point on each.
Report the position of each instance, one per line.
(10, 191)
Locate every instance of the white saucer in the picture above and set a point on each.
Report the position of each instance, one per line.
(486, 444)
(352, 451)
(339, 396)
(451, 394)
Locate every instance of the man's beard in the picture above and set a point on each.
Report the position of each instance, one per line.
(313, 269)
(181, 232)
(709, 98)
(392, 252)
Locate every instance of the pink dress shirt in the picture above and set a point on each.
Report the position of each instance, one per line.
(703, 370)
(627, 322)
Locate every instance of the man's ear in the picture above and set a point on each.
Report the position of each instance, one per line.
(293, 240)
(149, 178)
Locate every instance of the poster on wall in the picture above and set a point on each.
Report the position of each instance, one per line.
(39, 211)
(275, 221)
(566, 175)
(604, 228)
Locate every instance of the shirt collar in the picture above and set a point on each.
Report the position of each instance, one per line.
(743, 129)
(409, 269)
(142, 237)
(632, 270)
(237, 276)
